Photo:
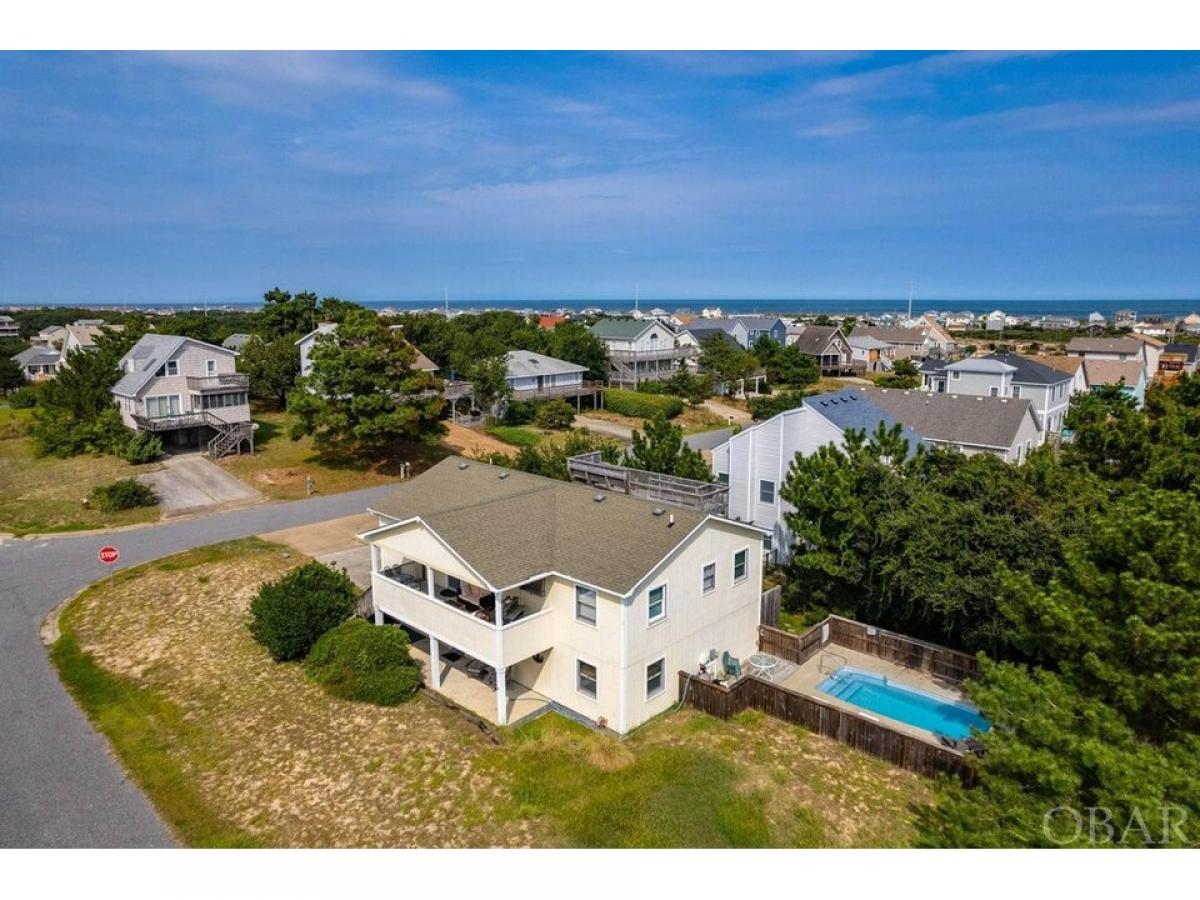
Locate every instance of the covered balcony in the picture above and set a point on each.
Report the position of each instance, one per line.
(233, 381)
(481, 630)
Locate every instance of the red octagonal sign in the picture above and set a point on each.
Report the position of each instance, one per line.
(109, 555)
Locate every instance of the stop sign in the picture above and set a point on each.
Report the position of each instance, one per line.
(109, 555)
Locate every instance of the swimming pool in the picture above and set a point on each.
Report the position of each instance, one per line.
(917, 708)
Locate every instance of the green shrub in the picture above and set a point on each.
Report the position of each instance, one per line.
(773, 404)
(290, 614)
(24, 397)
(555, 415)
(143, 447)
(364, 662)
(519, 412)
(641, 406)
(129, 493)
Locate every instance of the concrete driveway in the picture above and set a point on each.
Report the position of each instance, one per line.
(59, 784)
(188, 483)
(334, 543)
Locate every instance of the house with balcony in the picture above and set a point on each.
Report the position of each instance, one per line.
(1048, 388)
(640, 350)
(9, 327)
(553, 591)
(186, 391)
(38, 363)
(829, 346)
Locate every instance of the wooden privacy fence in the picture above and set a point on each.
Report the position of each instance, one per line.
(941, 662)
(850, 728)
(770, 606)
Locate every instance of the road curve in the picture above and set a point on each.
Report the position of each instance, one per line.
(59, 784)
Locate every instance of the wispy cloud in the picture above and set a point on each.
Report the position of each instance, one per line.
(1066, 116)
(255, 78)
(907, 76)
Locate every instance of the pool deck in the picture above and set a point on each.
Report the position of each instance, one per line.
(828, 659)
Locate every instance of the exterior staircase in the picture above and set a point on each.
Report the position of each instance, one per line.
(229, 437)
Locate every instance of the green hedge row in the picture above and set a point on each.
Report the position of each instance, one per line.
(641, 406)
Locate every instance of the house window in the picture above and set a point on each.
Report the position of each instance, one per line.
(994, 392)
(708, 577)
(171, 367)
(159, 407)
(585, 678)
(955, 374)
(221, 401)
(655, 677)
(739, 565)
(766, 491)
(1017, 391)
(585, 604)
(722, 478)
(210, 367)
(768, 543)
(657, 607)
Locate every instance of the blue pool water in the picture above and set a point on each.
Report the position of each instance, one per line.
(917, 708)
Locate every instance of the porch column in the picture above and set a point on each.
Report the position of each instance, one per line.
(378, 617)
(435, 664)
(428, 581)
(501, 696)
(376, 558)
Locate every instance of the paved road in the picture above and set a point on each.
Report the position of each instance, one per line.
(605, 427)
(59, 786)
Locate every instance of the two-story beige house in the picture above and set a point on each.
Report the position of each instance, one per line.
(594, 601)
(187, 391)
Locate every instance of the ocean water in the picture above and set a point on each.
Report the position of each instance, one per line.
(1078, 308)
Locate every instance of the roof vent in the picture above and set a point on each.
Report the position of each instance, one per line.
(598, 497)
(671, 520)
(503, 475)
(462, 465)
(658, 510)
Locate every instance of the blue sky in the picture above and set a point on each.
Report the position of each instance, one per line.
(181, 177)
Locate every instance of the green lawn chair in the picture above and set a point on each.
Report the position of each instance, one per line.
(731, 664)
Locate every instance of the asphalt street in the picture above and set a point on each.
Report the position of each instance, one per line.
(59, 784)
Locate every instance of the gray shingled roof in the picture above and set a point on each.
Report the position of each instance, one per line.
(815, 338)
(236, 341)
(956, 418)
(854, 409)
(512, 527)
(36, 356)
(1188, 350)
(1030, 371)
(890, 335)
(525, 364)
(621, 329)
(1104, 345)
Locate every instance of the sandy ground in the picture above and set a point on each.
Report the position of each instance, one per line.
(729, 413)
(469, 442)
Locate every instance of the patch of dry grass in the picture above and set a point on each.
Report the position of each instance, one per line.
(280, 467)
(275, 761)
(44, 494)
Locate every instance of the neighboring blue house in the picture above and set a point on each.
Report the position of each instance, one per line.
(772, 326)
(1129, 373)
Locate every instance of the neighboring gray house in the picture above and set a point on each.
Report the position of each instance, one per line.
(772, 326)
(1006, 375)
(188, 392)
(38, 363)
(640, 349)
(755, 461)
(533, 375)
(833, 352)
(9, 327)
(1000, 426)
(905, 342)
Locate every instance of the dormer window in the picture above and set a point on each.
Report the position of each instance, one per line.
(171, 367)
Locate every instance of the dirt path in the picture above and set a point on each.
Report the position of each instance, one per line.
(469, 442)
(727, 412)
(605, 427)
